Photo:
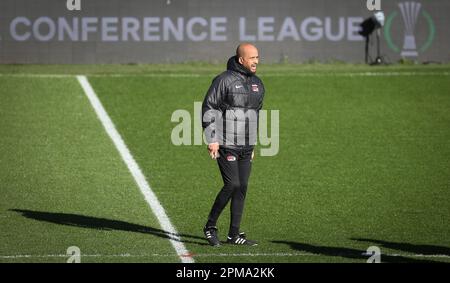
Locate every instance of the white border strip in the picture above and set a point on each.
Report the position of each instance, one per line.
(138, 176)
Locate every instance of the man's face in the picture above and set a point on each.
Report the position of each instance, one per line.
(250, 58)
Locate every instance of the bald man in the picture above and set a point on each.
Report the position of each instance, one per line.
(230, 118)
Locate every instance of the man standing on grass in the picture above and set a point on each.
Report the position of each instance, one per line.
(230, 119)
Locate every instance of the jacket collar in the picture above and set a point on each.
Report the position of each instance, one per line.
(234, 65)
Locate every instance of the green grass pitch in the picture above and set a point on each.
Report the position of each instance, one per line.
(364, 160)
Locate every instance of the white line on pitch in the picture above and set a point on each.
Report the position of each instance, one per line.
(138, 176)
(187, 75)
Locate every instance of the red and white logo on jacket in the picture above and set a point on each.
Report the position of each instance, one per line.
(255, 87)
(231, 158)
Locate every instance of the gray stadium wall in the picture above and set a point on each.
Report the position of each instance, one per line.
(166, 31)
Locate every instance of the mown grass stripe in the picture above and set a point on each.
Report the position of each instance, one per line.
(134, 169)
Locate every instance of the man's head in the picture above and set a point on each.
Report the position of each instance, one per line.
(247, 56)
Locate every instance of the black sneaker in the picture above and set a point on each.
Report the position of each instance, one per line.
(241, 239)
(211, 235)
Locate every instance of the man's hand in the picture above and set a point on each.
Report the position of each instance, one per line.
(213, 149)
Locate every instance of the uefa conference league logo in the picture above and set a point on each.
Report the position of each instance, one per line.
(410, 12)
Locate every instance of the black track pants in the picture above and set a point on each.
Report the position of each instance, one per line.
(235, 166)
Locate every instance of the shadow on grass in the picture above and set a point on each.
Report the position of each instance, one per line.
(103, 224)
(410, 248)
(348, 253)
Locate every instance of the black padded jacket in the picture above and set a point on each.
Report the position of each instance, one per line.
(237, 94)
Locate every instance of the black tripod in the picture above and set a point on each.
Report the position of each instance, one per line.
(378, 60)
